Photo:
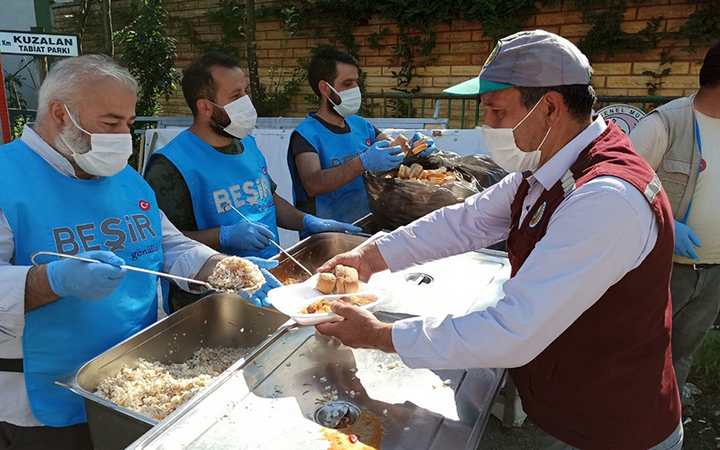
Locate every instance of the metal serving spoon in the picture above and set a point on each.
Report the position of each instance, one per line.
(124, 266)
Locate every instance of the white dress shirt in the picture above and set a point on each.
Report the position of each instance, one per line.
(183, 257)
(600, 232)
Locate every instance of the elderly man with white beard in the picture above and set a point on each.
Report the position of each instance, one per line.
(65, 187)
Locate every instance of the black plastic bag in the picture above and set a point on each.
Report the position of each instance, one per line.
(395, 202)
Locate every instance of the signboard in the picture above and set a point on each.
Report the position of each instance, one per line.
(25, 43)
(625, 116)
(40, 44)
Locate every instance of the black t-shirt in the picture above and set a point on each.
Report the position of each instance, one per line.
(299, 145)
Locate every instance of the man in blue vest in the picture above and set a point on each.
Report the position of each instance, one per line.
(216, 164)
(331, 148)
(65, 187)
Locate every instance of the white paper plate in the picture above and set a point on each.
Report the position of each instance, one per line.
(291, 300)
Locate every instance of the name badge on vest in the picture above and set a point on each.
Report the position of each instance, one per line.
(538, 215)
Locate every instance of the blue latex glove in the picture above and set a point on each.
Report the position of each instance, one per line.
(245, 236)
(685, 241)
(431, 148)
(380, 157)
(314, 225)
(260, 297)
(88, 281)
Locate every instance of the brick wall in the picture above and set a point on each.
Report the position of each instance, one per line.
(460, 51)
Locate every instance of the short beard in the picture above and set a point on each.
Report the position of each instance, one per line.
(71, 140)
(217, 119)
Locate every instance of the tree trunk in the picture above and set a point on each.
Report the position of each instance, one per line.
(107, 27)
(250, 47)
(82, 23)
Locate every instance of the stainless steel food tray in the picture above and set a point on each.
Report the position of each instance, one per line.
(312, 252)
(219, 320)
(271, 403)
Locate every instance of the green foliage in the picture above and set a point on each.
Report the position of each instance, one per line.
(702, 26)
(340, 17)
(224, 45)
(13, 84)
(419, 14)
(17, 104)
(149, 53)
(18, 124)
(498, 17)
(277, 91)
(230, 16)
(501, 18)
(606, 35)
(374, 38)
(706, 361)
(410, 48)
(276, 94)
(417, 18)
(656, 76)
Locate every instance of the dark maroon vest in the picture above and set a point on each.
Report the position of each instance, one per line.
(607, 382)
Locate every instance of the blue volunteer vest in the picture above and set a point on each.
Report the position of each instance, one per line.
(214, 179)
(48, 211)
(350, 202)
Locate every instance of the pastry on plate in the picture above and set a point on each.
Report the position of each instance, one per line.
(326, 283)
(347, 281)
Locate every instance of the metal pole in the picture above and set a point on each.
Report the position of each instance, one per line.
(107, 27)
(44, 67)
(4, 113)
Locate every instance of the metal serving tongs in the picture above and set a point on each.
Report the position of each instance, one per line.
(275, 243)
(123, 266)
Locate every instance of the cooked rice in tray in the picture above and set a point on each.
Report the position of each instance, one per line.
(234, 274)
(155, 390)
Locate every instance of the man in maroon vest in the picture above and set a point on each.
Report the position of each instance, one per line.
(584, 326)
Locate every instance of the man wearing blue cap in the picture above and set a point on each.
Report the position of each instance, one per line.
(584, 326)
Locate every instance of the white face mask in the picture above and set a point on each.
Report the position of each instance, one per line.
(350, 101)
(243, 117)
(504, 150)
(108, 154)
